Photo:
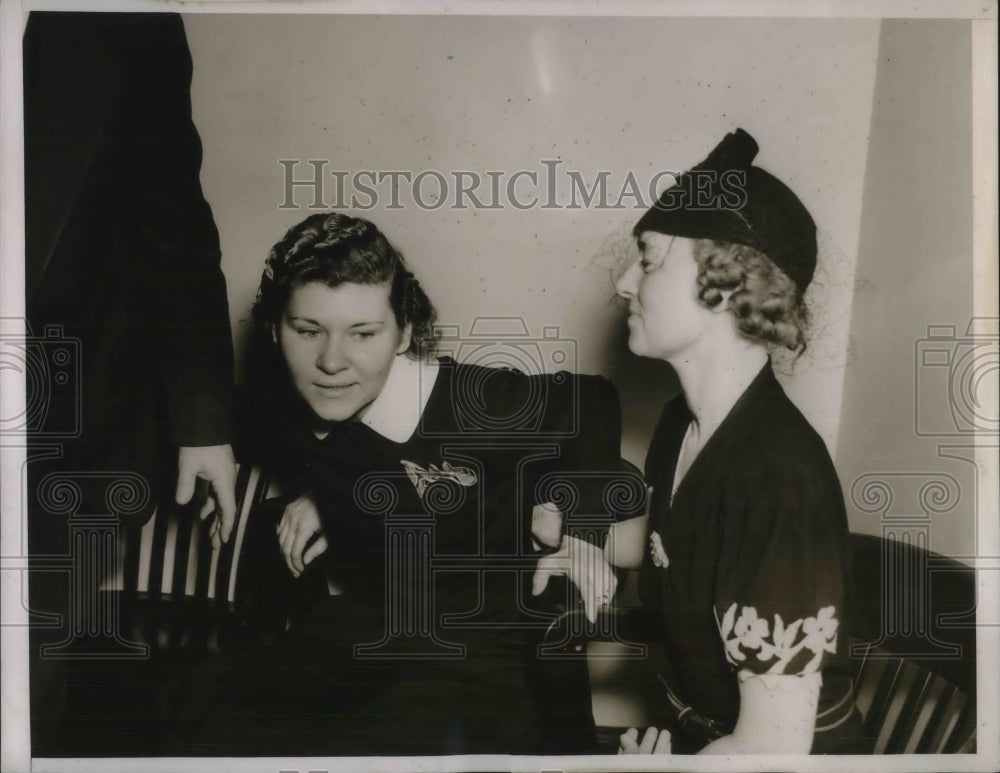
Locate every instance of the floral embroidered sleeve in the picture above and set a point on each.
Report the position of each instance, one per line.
(780, 587)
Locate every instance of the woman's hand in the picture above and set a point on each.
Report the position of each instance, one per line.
(653, 742)
(546, 526)
(587, 569)
(299, 524)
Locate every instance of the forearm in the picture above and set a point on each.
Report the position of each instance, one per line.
(777, 716)
(775, 742)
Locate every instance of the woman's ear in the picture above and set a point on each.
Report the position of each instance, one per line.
(274, 334)
(405, 338)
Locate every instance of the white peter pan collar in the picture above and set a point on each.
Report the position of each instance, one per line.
(396, 412)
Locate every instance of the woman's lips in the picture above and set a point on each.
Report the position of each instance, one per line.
(333, 389)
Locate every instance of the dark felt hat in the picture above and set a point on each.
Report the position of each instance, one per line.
(727, 199)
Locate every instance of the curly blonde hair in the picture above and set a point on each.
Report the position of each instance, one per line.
(766, 303)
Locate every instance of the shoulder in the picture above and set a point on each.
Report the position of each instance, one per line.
(769, 465)
(782, 480)
(505, 385)
(789, 446)
(769, 432)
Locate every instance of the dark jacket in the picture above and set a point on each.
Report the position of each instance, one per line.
(123, 272)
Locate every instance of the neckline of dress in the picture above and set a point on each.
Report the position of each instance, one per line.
(754, 386)
(681, 459)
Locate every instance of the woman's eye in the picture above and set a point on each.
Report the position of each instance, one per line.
(364, 335)
(307, 332)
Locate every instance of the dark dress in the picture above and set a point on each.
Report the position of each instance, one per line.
(432, 647)
(749, 563)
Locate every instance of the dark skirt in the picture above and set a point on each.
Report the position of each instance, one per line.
(312, 694)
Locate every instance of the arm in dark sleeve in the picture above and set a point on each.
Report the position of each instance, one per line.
(173, 250)
(587, 479)
(592, 455)
(780, 580)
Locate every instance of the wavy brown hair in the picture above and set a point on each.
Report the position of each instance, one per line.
(335, 249)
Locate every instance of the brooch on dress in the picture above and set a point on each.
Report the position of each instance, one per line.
(421, 478)
(657, 552)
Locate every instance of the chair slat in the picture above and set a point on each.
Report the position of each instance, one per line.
(911, 709)
(963, 737)
(169, 554)
(878, 715)
(193, 558)
(951, 721)
(145, 563)
(937, 723)
(866, 678)
(924, 717)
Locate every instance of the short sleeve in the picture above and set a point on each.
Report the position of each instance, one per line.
(780, 583)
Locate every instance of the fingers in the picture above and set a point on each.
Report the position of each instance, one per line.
(648, 741)
(591, 574)
(217, 466)
(298, 524)
(207, 508)
(186, 475)
(653, 742)
(213, 532)
(301, 538)
(316, 549)
(628, 742)
(286, 534)
(225, 494)
(540, 581)
(550, 566)
(287, 543)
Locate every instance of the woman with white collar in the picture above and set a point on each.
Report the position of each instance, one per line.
(421, 492)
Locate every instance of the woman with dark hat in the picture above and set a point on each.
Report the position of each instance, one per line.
(748, 541)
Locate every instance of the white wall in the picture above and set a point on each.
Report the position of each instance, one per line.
(915, 270)
(503, 94)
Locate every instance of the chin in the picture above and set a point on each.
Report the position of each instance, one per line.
(332, 416)
(327, 412)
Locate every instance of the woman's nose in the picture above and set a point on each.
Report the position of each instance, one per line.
(330, 358)
(628, 282)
